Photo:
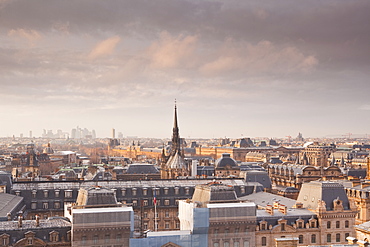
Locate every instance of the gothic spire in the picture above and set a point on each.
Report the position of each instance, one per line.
(175, 135)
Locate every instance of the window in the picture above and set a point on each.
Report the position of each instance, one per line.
(56, 193)
(46, 193)
(264, 241)
(106, 239)
(177, 225)
(328, 224)
(68, 194)
(177, 190)
(300, 239)
(57, 205)
(237, 230)
(95, 239)
(145, 191)
(236, 244)
(246, 243)
(337, 237)
(346, 224)
(166, 191)
(166, 214)
(226, 230)
(226, 244)
(17, 193)
(337, 224)
(187, 190)
(33, 205)
(45, 205)
(328, 238)
(216, 244)
(134, 191)
(34, 193)
(118, 237)
(123, 191)
(167, 225)
(283, 226)
(215, 232)
(166, 202)
(313, 238)
(145, 214)
(145, 226)
(300, 224)
(145, 202)
(134, 203)
(346, 235)
(30, 241)
(83, 239)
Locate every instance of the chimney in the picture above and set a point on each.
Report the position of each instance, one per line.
(298, 205)
(20, 220)
(351, 240)
(270, 209)
(37, 221)
(9, 215)
(364, 185)
(283, 209)
(355, 183)
(362, 243)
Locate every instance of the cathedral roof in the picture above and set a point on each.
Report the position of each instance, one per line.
(176, 161)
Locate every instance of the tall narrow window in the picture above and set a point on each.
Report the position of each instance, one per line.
(264, 241)
(328, 238)
(328, 224)
(337, 237)
(300, 239)
(313, 238)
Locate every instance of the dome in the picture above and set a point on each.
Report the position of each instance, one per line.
(225, 161)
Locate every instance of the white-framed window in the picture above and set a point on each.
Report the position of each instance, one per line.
(57, 193)
(46, 193)
(166, 202)
(33, 205)
(45, 205)
(68, 194)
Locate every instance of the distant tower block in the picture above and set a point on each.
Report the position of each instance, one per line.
(113, 133)
(30, 133)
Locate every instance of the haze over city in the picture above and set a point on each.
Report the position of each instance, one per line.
(236, 68)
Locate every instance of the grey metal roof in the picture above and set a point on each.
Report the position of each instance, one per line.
(142, 169)
(8, 203)
(31, 224)
(225, 160)
(327, 191)
(264, 198)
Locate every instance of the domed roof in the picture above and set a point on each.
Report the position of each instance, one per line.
(225, 160)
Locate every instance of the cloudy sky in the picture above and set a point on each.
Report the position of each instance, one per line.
(237, 68)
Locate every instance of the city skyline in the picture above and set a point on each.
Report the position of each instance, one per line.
(236, 69)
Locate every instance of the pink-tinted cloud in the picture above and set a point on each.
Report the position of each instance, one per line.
(29, 35)
(104, 48)
(171, 52)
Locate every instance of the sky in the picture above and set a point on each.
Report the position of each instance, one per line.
(236, 68)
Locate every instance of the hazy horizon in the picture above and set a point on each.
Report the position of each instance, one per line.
(236, 68)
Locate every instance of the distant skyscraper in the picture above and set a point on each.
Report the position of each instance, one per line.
(30, 133)
(113, 133)
(73, 133)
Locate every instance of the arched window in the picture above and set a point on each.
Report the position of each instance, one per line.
(313, 238)
(300, 237)
(337, 237)
(346, 224)
(328, 238)
(328, 224)
(337, 224)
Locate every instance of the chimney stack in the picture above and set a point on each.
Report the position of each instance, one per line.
(9, 215)
(37, 221)
(20, 218)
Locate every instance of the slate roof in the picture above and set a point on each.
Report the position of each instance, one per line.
(264, 198)
(326, 191)
(176, 162)
(53, 222)
(8, 203)
(225, 160)
(142, 169)
(96, 196)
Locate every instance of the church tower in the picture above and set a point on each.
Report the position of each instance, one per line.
(175, 165)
